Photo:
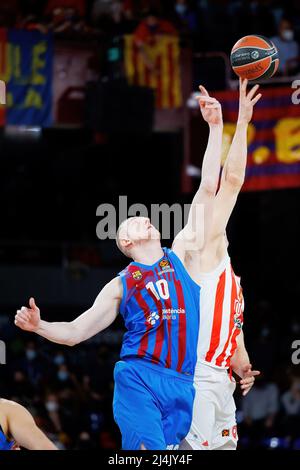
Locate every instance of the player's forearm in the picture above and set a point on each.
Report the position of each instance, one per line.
(240, 360)
(236, 162)
(212, 159)
(59, 332)
(35, 440)
(202, 205)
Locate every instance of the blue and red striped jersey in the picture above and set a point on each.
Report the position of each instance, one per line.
(161, 309)
(5, 444)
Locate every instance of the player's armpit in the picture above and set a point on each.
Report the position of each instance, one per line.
(196, 233)
(22, 428)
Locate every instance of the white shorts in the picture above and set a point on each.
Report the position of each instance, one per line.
(214, 423)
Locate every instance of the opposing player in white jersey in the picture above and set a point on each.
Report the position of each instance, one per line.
(221, 345)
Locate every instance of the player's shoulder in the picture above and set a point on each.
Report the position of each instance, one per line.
(115, 286)
(124, 271)
(6, 403)
(9, 404)
(16, 411)
(8, 407)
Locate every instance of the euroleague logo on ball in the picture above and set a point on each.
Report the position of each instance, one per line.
(254, 54)
(254, 57)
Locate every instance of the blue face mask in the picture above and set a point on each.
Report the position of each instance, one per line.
(180, 9)
(58, 360)
(30, 354)
(63, 375)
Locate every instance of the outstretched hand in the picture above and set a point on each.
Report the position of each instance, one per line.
(247, 101)
(210, 108)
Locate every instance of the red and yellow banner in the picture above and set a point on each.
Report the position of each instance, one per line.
(164, 77)
(273, 138)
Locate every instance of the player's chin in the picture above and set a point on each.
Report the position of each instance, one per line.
(154, 234)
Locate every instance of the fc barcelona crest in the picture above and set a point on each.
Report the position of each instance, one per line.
(137, 275)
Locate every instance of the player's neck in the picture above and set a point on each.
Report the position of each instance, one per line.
(148, 254)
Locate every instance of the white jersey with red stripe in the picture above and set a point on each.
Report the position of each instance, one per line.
(221, 315)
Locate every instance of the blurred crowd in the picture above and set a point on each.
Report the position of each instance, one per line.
(69, 391)
(204, 25)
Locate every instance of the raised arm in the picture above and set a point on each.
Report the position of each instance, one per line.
(195, 233)
(22, 428)
(102, 313)
(234, 170)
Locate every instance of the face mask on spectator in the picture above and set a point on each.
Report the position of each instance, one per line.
(62, 375)
(180, 9)
(288, 34)
(30, 354)
(58, 360)
(51, 406)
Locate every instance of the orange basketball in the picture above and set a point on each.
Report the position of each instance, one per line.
(254, 57)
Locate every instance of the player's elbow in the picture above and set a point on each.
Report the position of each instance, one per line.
(75, 336)
(209, 185)
(235, 180)
(72, 342)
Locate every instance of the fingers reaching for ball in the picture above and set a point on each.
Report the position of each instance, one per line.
(210, 108)
(247, 101)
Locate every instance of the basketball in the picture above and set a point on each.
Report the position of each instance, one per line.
(254, 57)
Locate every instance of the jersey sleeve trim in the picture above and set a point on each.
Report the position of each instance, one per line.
(124, 296)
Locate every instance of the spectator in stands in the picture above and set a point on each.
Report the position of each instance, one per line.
(260, 408)
(287, 47)
(32, 364)
(135, 9)
(77, 5)
(52, 407)
(31, 15)
(64, 379)
(255, 17)
(67, 16)
(110, 17)
(21, 387)
(108, 8)
(149, 32)
(291, 406)
(184, 18)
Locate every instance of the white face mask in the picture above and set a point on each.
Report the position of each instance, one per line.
(51, 405)
(288, 34)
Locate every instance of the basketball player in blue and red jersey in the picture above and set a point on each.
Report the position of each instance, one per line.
(17, 428)
(159, 301)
